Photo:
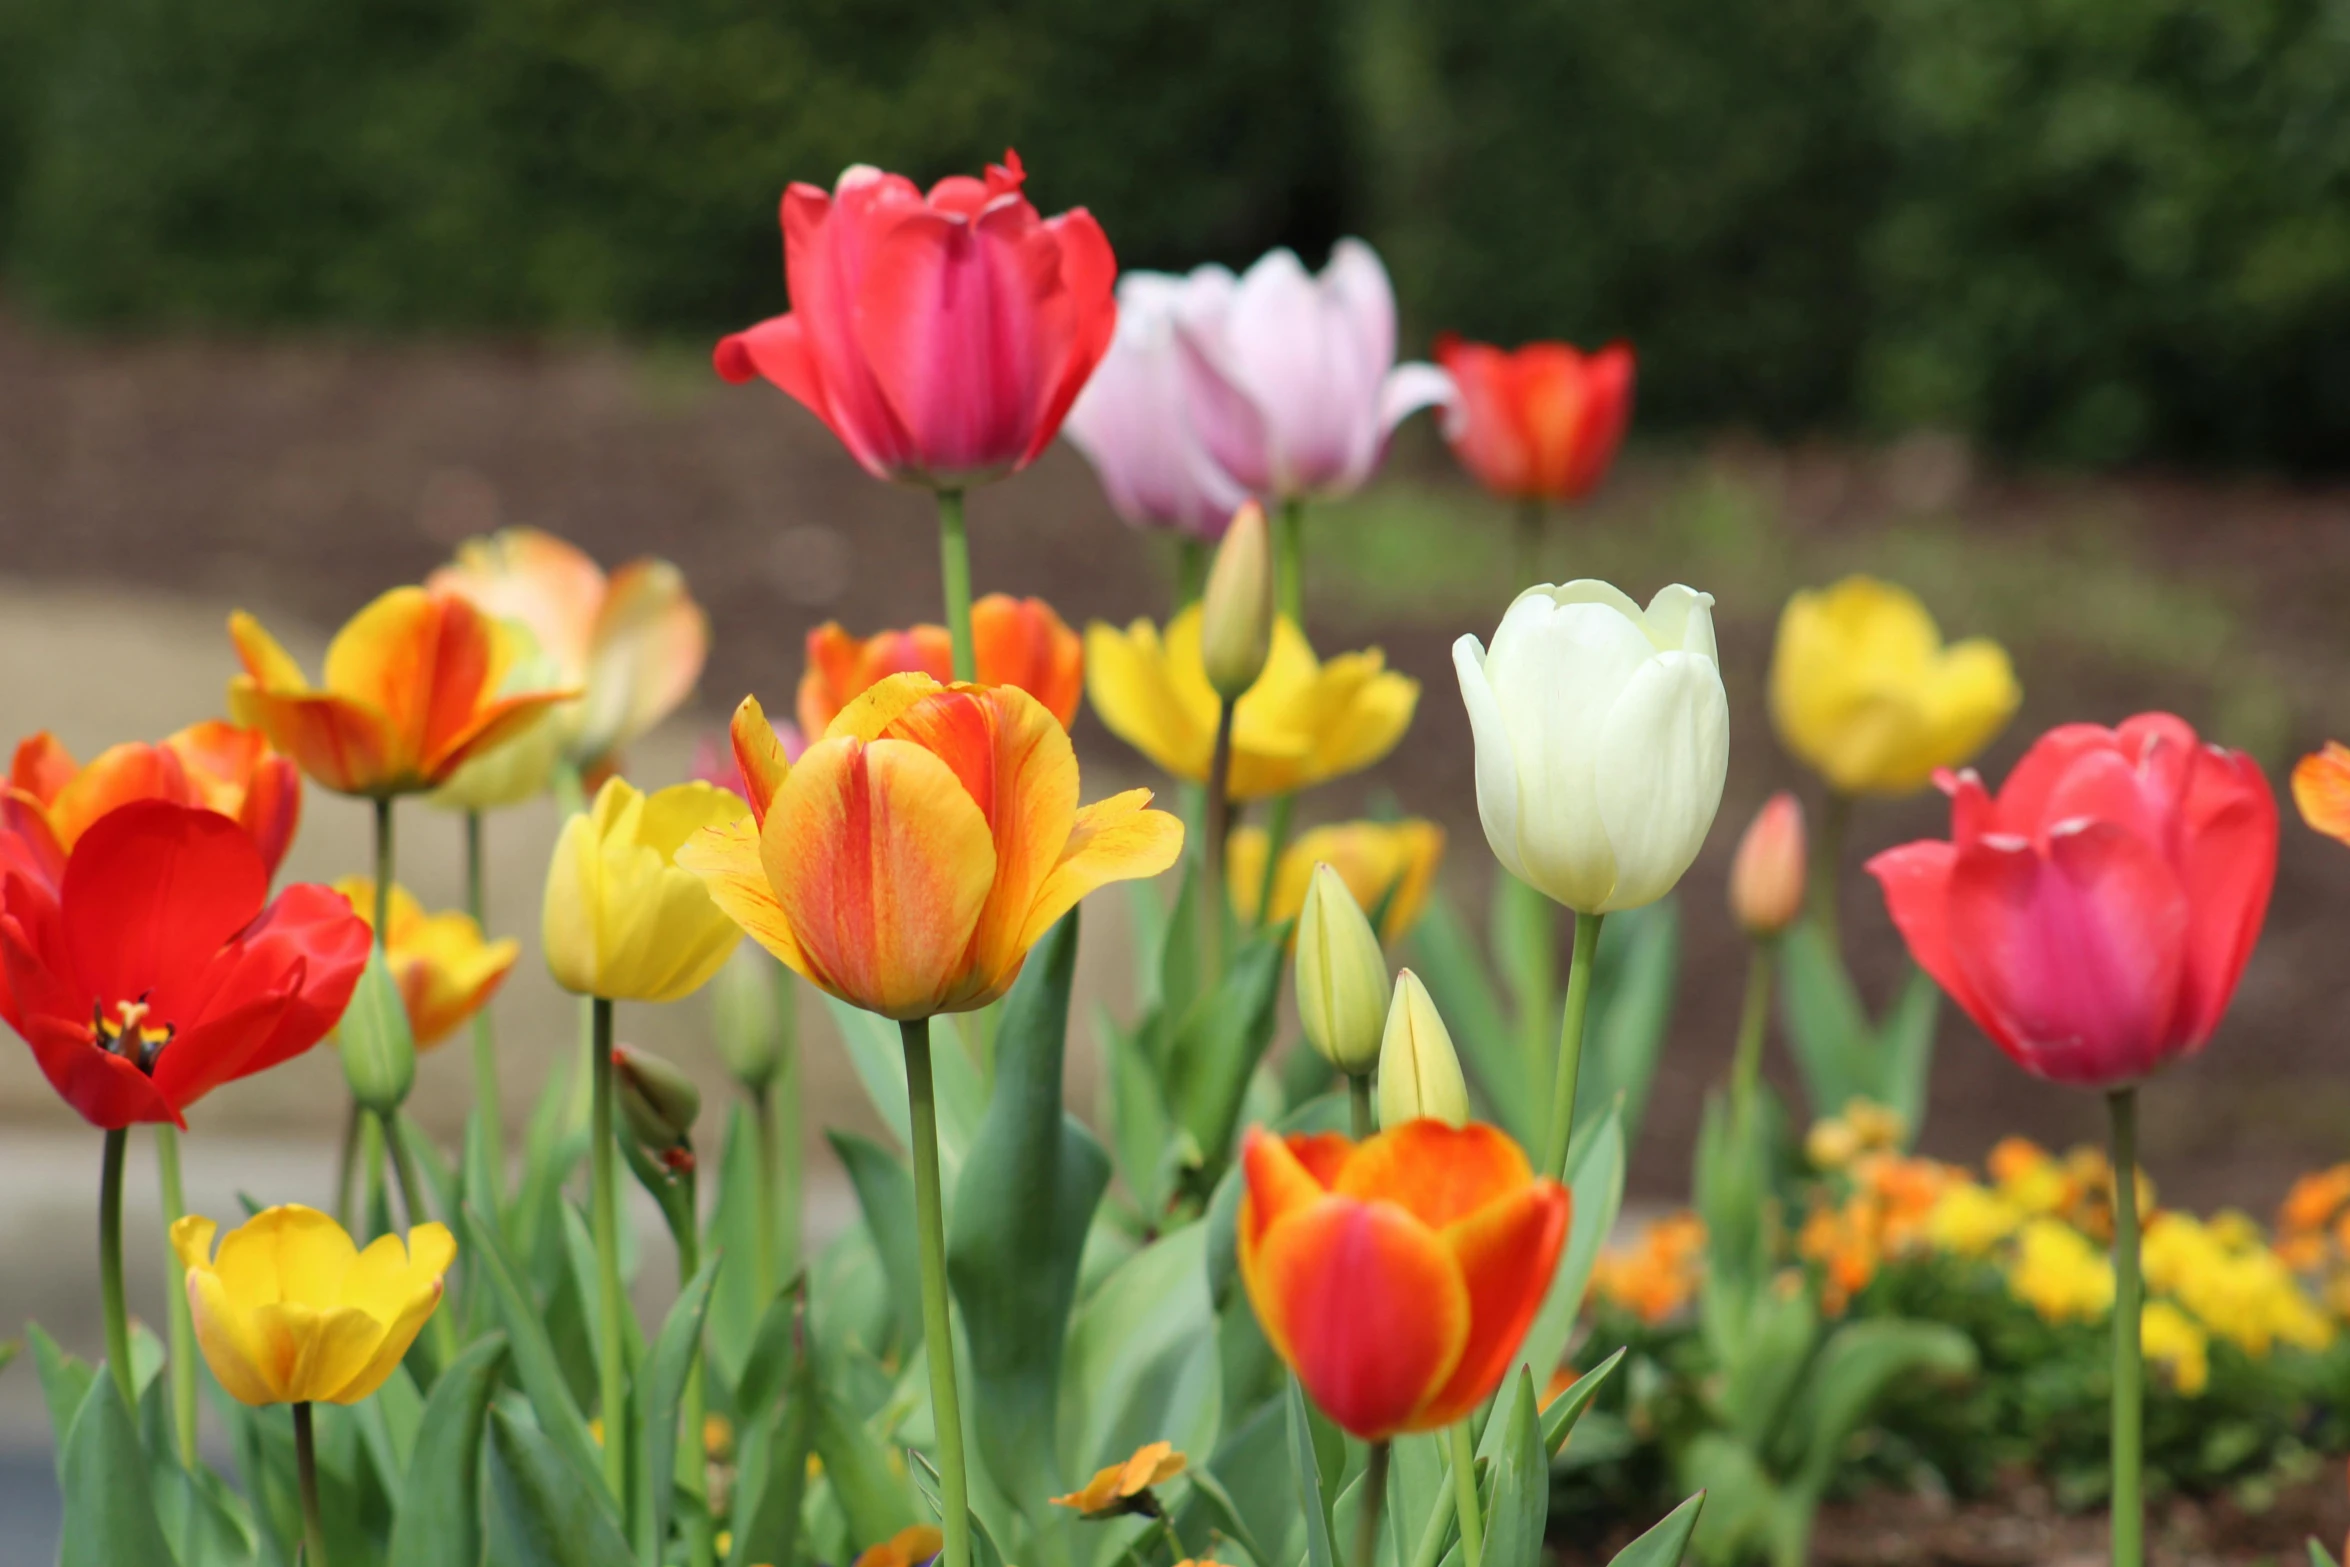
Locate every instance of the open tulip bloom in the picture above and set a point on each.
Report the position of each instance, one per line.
(214, 765)
(1016, 642)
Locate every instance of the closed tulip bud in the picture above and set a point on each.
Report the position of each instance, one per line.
(1419, 1074)
(1341, 976)
(1236, 609)
(1766, 879)
(658, 1100)
(378, 1047)
(746, 1019)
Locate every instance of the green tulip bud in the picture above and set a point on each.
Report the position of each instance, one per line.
(1236, 608)
(746, 1015)
(659, 1103)
(378, 1047)
(1419, 1073)
(1341, 976)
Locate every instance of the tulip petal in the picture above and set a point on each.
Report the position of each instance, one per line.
(881, 863)
(285, 1253)
(151, 894)
(1657, 770)
(650, 642)
(1506, 1252)
(396, 1330)
(41, 767)
(1439, 1174)
(1140, 698)
(1281, 1176)
(2228, 863)
(330, 1347)
(727, 860)
(869, 715)
(1496, 758)
(1086, 301)
(1916, 882)
(2321, 788)
(1116, 839)
(758, 755)
(1021, 642)
(1371, 1305)
(243, 1364)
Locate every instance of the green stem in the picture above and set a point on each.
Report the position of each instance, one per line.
(1827, 862)
(1191, 571)
(1289, 561)
(347, 1163)
(938, 1330)
(1754, 1019)
(763, 1203)
(2129, 1377)
(306, 1469)
(1464, 1496)
(1570, 1063)
(1358, 1104)
(1532, 522)
(1276, 839)
(118, 1314)
(604, 1215)
(1374, 1503)
(383, 870)
(377, 1219)
(1533, 972)
(783, 1127)
(1215, 896)
(444, 1332)
(488, 1113)
(693, 1454)
(954, 569)
(183, 1325)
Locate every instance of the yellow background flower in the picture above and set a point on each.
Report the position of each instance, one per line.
(623, 920)
(445, 970)
(1380, 862)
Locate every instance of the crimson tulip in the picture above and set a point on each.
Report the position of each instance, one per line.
(1541, 422)
(158, 970)
(2094, 916)
(942, 337)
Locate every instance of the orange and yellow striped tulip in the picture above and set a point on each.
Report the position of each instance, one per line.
(446, 971)
(633, 642)
(1398, 1275)
(412, 689)
(1388, 866)
(220, 767)
(2321, 787)
(909, 859)
(1014, 642)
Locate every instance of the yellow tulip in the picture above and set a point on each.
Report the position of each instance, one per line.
(292, 1313)
(1303, 722)
(1390, 863)
(623, 921)
(1864, 692)
(445, 970)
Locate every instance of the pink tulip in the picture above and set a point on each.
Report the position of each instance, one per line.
(1291, 378)
(1135, 425)
(942, 337)
(2094, 917)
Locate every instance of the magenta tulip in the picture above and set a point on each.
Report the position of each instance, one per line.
(2094, 917)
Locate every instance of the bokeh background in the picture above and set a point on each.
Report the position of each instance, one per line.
(2041, 307)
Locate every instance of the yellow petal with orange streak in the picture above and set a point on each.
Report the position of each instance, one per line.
(1118, 839)
(758, 754)
(550, 586)
(879, 705)
(727, 860)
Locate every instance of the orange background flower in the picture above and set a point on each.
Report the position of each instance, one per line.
(2321, 787)
(1014, 642)
(215, 765)
(444, 967)
(1397, 1276)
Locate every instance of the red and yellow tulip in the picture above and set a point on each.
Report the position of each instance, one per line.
(414, 686)
(217, 766)
(1014, 642)
(1397, 1276)
(446, 971)
(908, 861)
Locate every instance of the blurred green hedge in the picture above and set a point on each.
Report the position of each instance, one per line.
(2086, 230)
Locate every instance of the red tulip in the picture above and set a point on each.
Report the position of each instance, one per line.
(942, 337)
(155, 972)
(2095, 916)
(1540, 422)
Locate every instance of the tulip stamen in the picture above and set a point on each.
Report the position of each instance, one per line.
(128, 1033)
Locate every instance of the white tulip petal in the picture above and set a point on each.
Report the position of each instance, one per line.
(1412, 387)
(1497, 767)
(1681, 619)
(1662, 757)
(1590, 590)
(1357, 280)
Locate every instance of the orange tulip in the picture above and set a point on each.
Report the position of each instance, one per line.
(1397, 1276)
(633, 642)
(908, 861)
(1014, 642)
(412, 690)
(2321, 787)
(214, 765)
(445, 968)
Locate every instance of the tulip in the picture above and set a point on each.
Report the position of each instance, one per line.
(444, 968)
(414, 688)
(1537, 423)
(1304, 721)
(1397, 1276)
(908, 861)
(1236, 610)
(1019, 642)
(1602, 737)
(291, 1312)
(659, 1102)
(1388, 866)
(217, 766)
(1135, 424)
(2321, 788)
(1766, 875)
(1342, 985)
(1865, 694)
(624, 919)
(714, 762)
(1419, 1072)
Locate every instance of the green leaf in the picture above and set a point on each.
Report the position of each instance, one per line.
(208, 1524)
(535, 1366)
(772, 1473)
(543, 1513)
(109, 1510)
(1558, 1421)
(874, 1500)
(1905, 1049)
(1141, 1130)
(65, 1383)
(440, 1181)
(1142, 1363)
(9, 1350)
(1859, 1362)
(2319, 1556)
(1221, 1038)
(1310, 1496)
(737, 1308)
(439, 1521)
(776, 1350)
(1520, 1504)
(885, 1192)
(660, 1389)
(1763, 1367)
(1827, 1028)
(877, 1051)
(1740, 1497)
(1225, 1511)
(1022, 1208)
(1445, 956)
(579, 1243)
(1179, 977)
(1664, 1545)
(1640, 952)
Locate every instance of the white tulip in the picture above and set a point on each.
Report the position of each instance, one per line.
(1603, 737)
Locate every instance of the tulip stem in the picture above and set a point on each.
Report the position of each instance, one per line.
(938, 1330)
(2129, 1503)
(1464, 1493)
(306, 1468)
(1533, 520)
(118, 1316)
(347, 1164)
(183, 1325)
(1374, 1502)
(1358, 1103)
(1835, 818)
(611, 1373)
(1289, 561)
(1215, 896)
(444, 1332)
(693, 1454)
(778, 1104)
(1276, 839)
(383, 871)
(1570, 1064)
(954, 569)
(1754, 1021)
(489, 1118)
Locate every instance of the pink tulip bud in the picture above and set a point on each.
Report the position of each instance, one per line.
(1766, 879)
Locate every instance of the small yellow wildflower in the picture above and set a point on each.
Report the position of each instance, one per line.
(1878, 1127)
(2169, 1337)
(2060, 1273)
(1969, 1220)
(1831, 1144)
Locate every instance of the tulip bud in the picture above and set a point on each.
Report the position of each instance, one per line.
(1419, 1074)
(378, 1048)
(745, 1017)
(1236, 610)
(1341, 976)
(1766, 878)
(658, 1101)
